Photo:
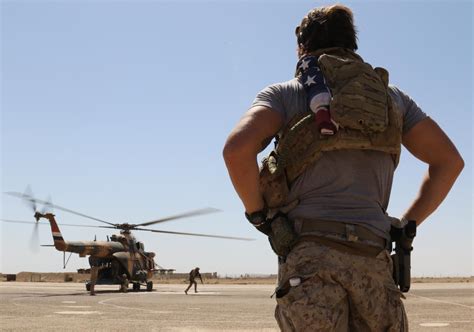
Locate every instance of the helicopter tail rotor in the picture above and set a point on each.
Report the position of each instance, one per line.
(34, 239)
(37, 216)
(29, 199)
(48, 206)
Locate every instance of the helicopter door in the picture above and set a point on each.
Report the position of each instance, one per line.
(125, 261)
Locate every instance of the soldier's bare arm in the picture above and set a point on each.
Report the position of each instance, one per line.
(427, 142)
(250, 136)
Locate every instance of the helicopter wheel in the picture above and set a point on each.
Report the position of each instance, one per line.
(88, 287)
(149, 286)
(136, 286)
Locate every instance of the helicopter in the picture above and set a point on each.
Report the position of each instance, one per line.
(121, 259)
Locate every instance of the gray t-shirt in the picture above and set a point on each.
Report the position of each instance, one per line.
(351, 186)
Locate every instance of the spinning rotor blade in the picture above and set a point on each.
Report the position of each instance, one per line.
(18, 221)
(35, 200)
(48, 206)
(27, 197)
(196, 234)
(179, 216)
(44, 224)
(34, 239)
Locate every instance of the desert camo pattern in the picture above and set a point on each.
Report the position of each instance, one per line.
(338, 292)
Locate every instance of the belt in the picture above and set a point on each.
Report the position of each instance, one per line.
(340, 231)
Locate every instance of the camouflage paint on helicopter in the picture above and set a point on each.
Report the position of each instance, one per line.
(133, 261)
(121, 260)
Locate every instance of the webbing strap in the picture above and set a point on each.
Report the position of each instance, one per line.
(340, 231)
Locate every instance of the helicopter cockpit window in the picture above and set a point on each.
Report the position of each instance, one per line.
(140, 246)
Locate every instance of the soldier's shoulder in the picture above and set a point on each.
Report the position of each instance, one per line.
(294, 82)
(286, 85)
(395, 91)
(398, 96)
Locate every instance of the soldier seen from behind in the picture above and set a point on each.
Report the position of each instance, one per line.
(321, 195)
(193, 274)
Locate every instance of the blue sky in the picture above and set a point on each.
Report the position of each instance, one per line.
(120, 110)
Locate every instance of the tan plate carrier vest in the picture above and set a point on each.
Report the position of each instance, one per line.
(362, 107)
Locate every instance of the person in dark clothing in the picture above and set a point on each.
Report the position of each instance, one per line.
(193, 274)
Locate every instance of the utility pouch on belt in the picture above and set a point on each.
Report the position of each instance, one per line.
(273, 181)
(282, 236)
(403, 238)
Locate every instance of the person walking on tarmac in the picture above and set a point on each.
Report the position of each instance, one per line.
(321, 196)
(193, 274)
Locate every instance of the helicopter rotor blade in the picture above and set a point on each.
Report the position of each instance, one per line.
(18, 221)
(35, 200)
(137, 229)
(180, 216)
(34, 239)
(195, 234)
(48, 205)
(108, 227)
(44, 224)
(26, 196)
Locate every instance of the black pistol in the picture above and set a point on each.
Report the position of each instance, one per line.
(403, 238)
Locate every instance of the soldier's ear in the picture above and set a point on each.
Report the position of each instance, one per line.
(297, 30)
(301, 50)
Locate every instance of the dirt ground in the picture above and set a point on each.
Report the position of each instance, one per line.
(67, 306)
(181, 278)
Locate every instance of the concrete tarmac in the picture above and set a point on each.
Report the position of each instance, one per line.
(220, 307)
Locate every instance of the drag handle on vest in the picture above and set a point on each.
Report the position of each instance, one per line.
(402, 258)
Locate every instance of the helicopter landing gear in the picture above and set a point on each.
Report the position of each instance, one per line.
(124, 285)
(88, 287)
(136, 287)
(149, 286)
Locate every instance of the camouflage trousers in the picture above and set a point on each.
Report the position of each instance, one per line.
(330, 290)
